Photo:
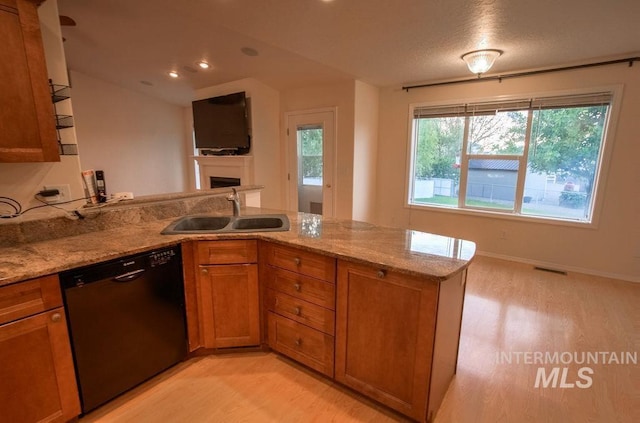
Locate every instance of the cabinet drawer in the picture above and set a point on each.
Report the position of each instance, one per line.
(29, 297)
(302, 311)
(304, 262)
(308, 346)
(228, 252)
(309, 289)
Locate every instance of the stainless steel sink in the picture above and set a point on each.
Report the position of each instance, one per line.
(201, 223)
(225, 224)
(259, 222)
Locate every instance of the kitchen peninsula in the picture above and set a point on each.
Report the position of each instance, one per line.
(376, 309)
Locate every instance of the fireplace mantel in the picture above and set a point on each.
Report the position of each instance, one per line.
(227, 167)
(240, 167)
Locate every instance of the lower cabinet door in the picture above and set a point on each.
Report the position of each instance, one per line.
(230, 305)
(385, 325)
(37, 380)
(308, 346)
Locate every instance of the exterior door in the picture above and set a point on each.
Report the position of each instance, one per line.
(311, 138)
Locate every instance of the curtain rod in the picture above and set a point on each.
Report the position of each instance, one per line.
(499, 78)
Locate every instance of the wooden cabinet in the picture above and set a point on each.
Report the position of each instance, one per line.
(27, 123)
(228, 293)
(301, 305)
(36, 366)
(388, 345)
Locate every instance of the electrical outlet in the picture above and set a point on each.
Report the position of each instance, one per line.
(64, 196)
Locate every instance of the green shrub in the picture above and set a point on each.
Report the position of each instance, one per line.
(572, 199)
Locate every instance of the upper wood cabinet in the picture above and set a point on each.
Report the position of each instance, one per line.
(27, 122)
(36, 366)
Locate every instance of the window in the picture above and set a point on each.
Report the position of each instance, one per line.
(536, 157)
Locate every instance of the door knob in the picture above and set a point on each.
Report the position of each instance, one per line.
(56, 317)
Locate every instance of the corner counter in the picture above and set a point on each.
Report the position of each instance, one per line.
(411, 252)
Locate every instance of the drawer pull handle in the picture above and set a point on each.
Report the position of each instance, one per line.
(297, 261)
(297, 287)
(298, 342)
(381, 274)
(56, 317)
(297, 311)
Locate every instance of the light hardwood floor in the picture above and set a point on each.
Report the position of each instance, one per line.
(510, 308)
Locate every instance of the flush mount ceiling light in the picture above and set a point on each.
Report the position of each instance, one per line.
(174, 74)
(203, 64)
(480, 61)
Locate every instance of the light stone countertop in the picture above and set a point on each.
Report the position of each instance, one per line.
(411, 252)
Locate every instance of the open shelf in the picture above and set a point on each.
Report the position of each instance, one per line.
(64, 121)
(60, 92)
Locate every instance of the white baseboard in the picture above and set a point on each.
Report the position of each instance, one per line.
(562, 267)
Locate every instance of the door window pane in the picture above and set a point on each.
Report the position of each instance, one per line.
(310, 155)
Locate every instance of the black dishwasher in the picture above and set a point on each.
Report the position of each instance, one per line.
(126, 320)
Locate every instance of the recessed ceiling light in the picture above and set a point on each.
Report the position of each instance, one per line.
(203, 64)
(173, 74)
(249, 51)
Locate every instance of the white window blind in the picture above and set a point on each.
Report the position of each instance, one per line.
(488, 108)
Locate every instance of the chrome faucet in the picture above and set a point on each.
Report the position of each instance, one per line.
(236, 202)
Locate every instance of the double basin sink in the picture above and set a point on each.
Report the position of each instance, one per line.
(228, 224)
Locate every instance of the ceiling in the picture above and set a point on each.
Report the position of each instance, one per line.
(306, 42)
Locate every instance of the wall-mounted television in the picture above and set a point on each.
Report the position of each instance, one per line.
(221, 124)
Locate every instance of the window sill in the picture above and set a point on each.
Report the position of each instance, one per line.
(504, 215)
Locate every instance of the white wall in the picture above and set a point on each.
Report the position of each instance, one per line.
(22, 181)
(341, 96)
(137, 140)
(365, 154)
(265, 137)
(612, 248)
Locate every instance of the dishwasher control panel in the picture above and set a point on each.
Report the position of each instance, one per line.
(162, 257)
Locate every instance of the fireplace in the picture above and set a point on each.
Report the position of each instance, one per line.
(228, 171)
(222, 182)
